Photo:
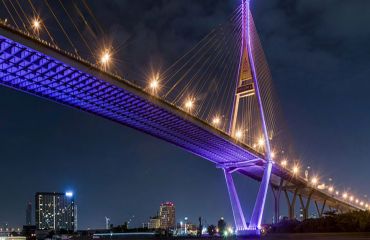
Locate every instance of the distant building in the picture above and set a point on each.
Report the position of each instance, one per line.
(29, 231)
(12, 238)
(54, 211)
(29, 214)
(154, 223)
(167, 215)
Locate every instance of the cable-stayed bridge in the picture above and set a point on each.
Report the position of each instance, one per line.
(247, 140)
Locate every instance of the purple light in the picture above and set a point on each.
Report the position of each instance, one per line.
(239, 219)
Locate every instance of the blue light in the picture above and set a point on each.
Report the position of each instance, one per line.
(69, 194)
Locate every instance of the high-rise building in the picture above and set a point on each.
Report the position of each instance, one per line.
(167, 215)
(29, 214)
(55, 211)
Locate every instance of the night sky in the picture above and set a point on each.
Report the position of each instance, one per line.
(318, 53)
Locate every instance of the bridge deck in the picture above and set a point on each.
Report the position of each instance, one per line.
(32, 66)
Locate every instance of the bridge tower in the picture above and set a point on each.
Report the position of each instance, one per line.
(247, 86)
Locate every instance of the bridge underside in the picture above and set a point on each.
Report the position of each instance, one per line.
(28, 65)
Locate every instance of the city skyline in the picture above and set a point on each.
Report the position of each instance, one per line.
(91, 152)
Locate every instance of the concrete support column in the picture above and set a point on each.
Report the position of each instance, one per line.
(239, 219)
(291, 204)
(306, 206)
(320, 211)
(276, 192)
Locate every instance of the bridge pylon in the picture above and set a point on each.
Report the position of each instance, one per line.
(247, 86)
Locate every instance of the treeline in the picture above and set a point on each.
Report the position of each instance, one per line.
(347, 222)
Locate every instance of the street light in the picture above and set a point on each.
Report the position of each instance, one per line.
(189, 104)
(295, 169)
(284, 163)
(345, 195)
(105, 58)
(261, 142)
(314, 181)
(216, 121)
(36, 24)
(154, 84)
(238, 134)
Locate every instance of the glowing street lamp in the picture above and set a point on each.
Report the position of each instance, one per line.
(314, 181)
(273, 154)
(357, 201)
(361, 203)
(345, 195)
(331, 189)
(105, 58)
(36, 25)
(295, 169)
(238, 134)
(154, 85)
(216, 121)
(189, 104)
(284, 163)
(351, 198)
(261, 142)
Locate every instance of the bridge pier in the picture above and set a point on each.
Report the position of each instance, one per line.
(276, 191)
(320, 212)
(291, 204)
(239, 219)
(305, 206)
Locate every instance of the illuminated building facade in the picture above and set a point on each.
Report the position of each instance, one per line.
(154, 223)
(55, 211)
(167, 215)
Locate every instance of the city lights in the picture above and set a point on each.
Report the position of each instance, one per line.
(331, 189)
(351, 198)
(273, 154)
(69, 194)
(357, 201)
(361, 203)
